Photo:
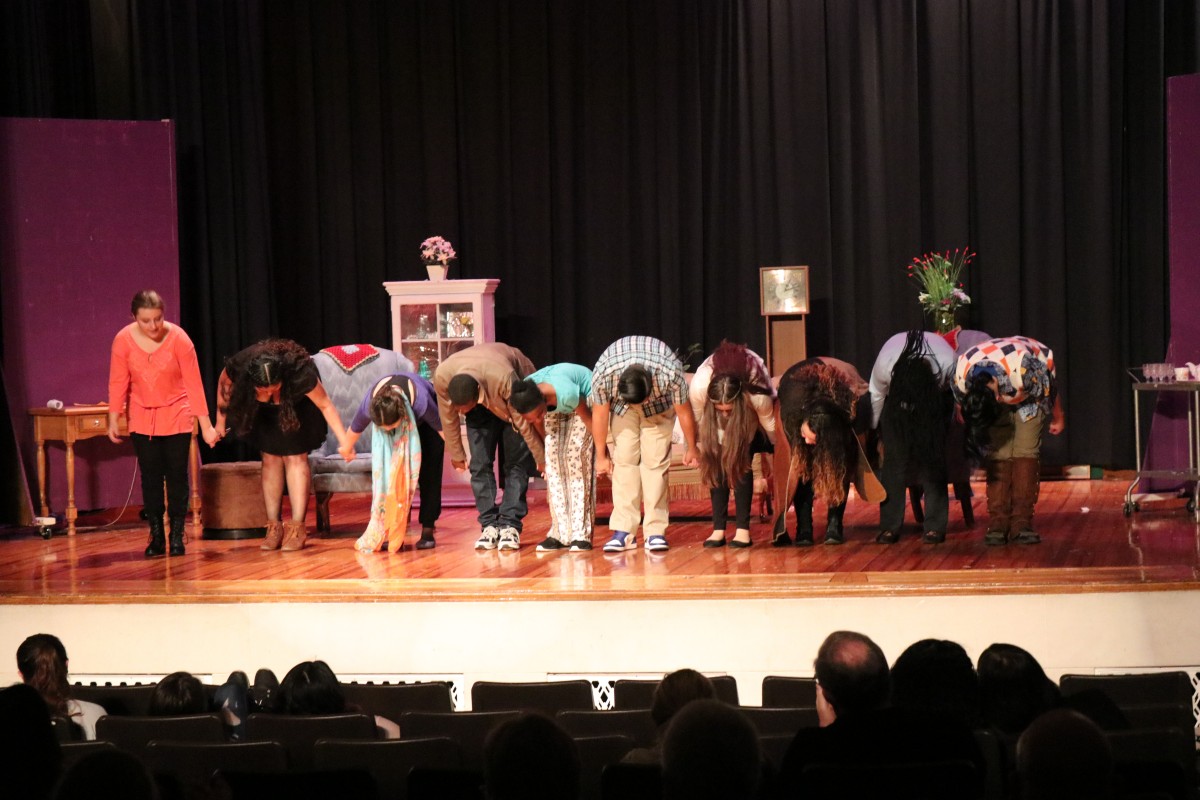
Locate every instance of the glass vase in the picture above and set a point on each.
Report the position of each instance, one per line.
(944, 320)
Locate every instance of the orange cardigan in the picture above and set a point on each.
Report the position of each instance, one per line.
(163, 389)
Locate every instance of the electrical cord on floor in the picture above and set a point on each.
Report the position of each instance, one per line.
(124, 508)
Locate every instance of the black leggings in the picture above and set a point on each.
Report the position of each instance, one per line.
(163, 458)
(743, 490)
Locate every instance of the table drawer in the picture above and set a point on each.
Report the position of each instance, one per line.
(91, 423)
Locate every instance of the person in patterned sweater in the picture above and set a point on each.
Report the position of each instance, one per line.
(1008, 389)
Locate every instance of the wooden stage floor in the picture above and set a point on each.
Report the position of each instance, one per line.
(1088, 546)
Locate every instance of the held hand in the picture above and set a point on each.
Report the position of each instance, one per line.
(603, 464)
(211, 437)
(459, 466)
(690, 458)
(220, 429)
(346, 451)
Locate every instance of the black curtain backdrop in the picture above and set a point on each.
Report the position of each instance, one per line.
(627, 166)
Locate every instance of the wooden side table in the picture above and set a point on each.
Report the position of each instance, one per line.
(73, 423)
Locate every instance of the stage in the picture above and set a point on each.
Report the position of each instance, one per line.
(1103, 592)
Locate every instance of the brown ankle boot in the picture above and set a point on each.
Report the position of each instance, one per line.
(294, 534)
(1026, 475)
(999, 500)
(274, 535)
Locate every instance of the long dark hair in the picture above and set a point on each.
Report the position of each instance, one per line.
(42, 662)
(980, 410)
(815, 392)
(916, 406)
(387, 407)
(272, 361)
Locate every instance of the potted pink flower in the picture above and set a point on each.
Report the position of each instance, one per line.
(437, 253)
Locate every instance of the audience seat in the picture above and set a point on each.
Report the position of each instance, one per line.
(298, 733)
(777, 721)
(195, 762)
(388, 762)
(932, 780)
(133, 734)
(631, 782)
(390, 700)
(433, 783)
(74, 751)
(468, 729)
(1134, 688)
(781, 691)
(66, 729)
(628, 694)
(1155, 759)
(352, 784)
(636, 723)
(548, 697)
(596, 753)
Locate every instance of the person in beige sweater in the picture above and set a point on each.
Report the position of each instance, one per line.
(476, 384)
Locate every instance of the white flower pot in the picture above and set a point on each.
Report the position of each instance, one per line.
(437, 272)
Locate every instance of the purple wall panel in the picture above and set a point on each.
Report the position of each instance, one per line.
(1167, 445)
(87, 218)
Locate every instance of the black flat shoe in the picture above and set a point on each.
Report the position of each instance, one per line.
(782, 540)
(934, 537)
(715, 543)
(887, 537)
(739, 545)
(804, 540)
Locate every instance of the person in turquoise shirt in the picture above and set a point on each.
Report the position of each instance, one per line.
(555, 400)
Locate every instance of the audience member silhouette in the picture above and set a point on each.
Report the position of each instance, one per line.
(1063, 755)
(710, 752)
(311, 687)
(29, 752)
(530, 758)
(937, 676)
(42, 662)
(673, 692)
(857, 724)
(109, 773)
(178, 693)
(1013, 689)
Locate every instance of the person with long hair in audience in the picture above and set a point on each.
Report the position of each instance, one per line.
(270, 394)
(1008, 389)
(554, 400)
(734, 406)
(312, 687)
(911, 405)
(823, 409)
(154, 377)
(42, 662)
(406, 453)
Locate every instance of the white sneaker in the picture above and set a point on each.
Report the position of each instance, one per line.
(510, 539)
(487, 540)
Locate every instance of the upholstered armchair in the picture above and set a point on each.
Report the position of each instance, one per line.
(347, 378)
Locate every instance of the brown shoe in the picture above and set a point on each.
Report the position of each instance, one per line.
(274, 535)
(294, 534)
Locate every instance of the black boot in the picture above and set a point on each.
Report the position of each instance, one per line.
(158, 540)
(426, 541)
(804, 524)
(833, 525)
(178, 525)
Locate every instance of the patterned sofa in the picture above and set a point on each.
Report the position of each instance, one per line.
(346, 388)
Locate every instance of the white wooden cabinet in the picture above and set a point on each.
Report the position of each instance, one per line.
(432, 319)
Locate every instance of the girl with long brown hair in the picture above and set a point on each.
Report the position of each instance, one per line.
(732, 400)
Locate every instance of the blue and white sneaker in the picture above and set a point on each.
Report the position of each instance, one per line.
(657, 543)
(620, 541)
(510, 538)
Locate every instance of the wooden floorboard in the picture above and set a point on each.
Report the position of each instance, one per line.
(1089, 545)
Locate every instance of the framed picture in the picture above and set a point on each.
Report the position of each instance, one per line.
(783, 290)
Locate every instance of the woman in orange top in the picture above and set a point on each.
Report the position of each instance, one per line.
(155, 373)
